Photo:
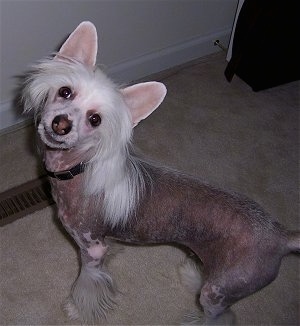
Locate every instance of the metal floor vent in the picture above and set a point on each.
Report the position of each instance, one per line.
(24, 199)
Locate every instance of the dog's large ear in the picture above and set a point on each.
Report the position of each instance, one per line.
(81, 45)
(142, 99)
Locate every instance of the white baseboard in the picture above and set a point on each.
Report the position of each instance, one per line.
(136, 68)
(166, 58)
(10, 118)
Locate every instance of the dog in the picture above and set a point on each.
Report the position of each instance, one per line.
(104, 190)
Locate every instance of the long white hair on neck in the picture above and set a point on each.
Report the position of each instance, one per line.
(115, 178)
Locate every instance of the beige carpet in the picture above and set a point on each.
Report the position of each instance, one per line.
(224, 133)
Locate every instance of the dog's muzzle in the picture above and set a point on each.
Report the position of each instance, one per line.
(61, 125)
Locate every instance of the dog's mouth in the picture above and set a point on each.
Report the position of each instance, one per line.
(56, 141)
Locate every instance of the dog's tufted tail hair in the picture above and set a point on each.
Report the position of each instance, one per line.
(293, 244)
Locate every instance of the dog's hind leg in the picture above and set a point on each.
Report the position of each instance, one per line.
(93, 292)
(215, 304)
(227, 284)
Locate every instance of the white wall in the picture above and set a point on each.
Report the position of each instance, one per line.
(136, 37)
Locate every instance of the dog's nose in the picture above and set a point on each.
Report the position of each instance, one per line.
(61, 125)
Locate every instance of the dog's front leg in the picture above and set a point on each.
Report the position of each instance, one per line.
(93, 291)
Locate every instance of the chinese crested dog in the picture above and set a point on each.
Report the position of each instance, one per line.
(104, 190)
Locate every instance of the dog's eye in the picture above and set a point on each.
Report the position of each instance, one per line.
(65, 92)
(95, 119)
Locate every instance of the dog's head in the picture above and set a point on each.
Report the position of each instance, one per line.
(77, 106)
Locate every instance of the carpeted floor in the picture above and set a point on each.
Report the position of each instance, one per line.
(224, 133)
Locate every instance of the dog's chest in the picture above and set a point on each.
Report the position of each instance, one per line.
(76, 211)
(69, 202)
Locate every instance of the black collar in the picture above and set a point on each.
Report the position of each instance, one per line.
(67, 174)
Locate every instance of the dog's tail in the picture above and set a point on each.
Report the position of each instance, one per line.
(293, 243)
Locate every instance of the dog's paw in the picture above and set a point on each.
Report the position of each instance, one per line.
(70, 310)
(92, 296)
(192, 318)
